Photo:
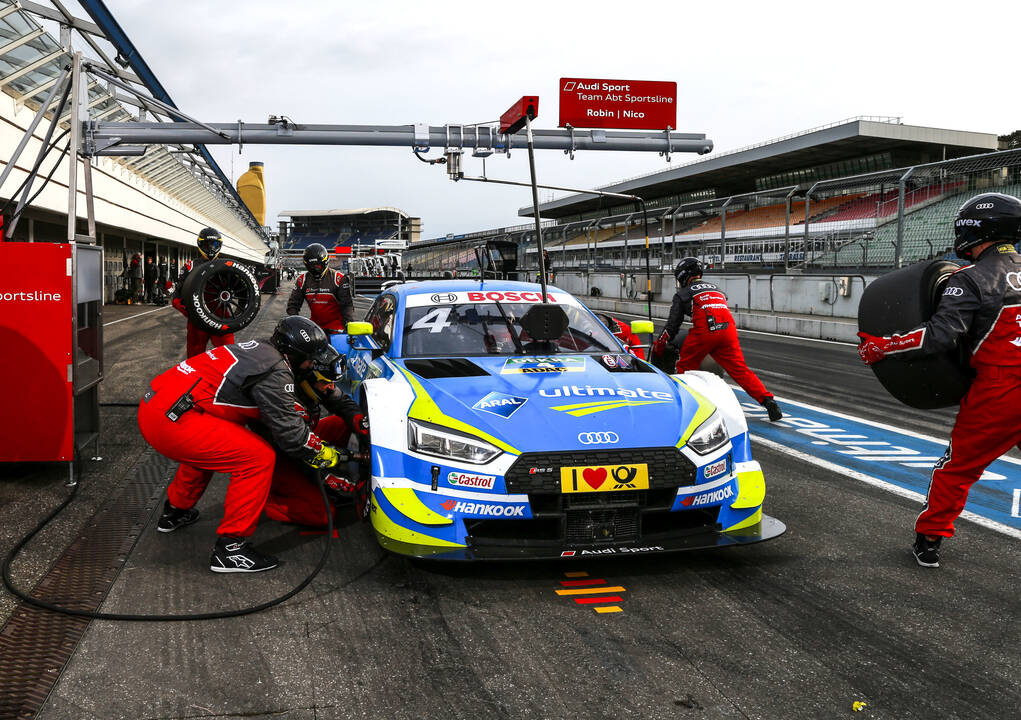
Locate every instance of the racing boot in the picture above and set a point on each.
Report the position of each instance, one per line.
(926, 551)
(172, 518)
(772, 408)
(236, 555)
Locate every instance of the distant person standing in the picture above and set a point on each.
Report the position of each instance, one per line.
(150, 276)
(327, 292)
(713, 332)
(162, 277)
(210, 242)
(135, 273)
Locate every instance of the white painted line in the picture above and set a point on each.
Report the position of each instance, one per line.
(889, 487)
(863, 421)
(1015, 508)
(132, 317)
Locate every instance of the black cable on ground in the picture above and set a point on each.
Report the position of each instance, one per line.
(9, 584)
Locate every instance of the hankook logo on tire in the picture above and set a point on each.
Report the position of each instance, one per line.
(598, 438)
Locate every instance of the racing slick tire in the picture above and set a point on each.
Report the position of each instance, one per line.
(899, 301)
(221, 296)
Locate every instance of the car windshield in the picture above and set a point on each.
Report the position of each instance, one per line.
(494, 328)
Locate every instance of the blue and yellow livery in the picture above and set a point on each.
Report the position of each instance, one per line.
(487, 443)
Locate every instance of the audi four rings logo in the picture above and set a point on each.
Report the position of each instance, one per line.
(1014, 280)
(984, 206)
(445, 297)
(598, 438)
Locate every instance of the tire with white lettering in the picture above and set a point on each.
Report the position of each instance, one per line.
(901, 300)
(221, 296)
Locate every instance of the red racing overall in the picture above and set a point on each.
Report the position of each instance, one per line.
(981, 305)
(328, 297)
(197, 337)
(714, 333)
(233, 386)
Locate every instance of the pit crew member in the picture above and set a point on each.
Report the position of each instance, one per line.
(327, 292)
(198, 413)
(713, 332)
(980, 306)
(210, 242)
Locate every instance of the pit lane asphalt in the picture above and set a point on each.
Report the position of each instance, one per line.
(834, 611)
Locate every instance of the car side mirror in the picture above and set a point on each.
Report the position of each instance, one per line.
(359, 328)
(639, 327)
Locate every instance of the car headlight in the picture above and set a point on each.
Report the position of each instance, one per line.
(710, 435)
(430, 439)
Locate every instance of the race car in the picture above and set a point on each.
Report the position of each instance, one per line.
(509, 425)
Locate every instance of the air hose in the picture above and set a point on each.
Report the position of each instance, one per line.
(35, 602)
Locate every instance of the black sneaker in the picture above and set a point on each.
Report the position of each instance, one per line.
(773, 409)
(926, 552)
(173, 518)
(235, 555)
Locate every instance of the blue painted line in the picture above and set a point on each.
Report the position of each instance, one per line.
(898, 457)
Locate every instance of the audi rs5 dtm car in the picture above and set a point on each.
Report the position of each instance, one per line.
(487, 442)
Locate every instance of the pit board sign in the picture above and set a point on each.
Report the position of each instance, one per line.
(624, 104)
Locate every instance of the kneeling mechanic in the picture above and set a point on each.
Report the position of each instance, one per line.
(199, 412)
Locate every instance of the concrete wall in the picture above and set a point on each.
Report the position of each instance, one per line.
(811, 306)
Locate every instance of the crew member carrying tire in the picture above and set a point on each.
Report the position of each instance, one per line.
(713, 332)
(328, 293)
(198, 413)
(210, 242)
(981, 306)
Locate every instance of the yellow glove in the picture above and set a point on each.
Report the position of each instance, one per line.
(327, 457)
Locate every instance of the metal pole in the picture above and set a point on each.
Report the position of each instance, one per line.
(535, 204)
(648, 273)
(898, 253)
(58, 86)
(723, 235)
(44, 148)
(808, 201)
(106, 137)
(73, 148)
(787, 231)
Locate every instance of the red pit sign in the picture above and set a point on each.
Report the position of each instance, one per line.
(625, 104)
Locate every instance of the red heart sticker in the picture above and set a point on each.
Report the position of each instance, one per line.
(594, 476)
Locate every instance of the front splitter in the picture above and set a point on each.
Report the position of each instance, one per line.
(767, 529)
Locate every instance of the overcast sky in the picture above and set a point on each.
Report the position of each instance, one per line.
(746, 72)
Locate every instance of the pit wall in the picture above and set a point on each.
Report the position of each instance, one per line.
(823, 307)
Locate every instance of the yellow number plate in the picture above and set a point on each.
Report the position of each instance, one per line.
(604, 478)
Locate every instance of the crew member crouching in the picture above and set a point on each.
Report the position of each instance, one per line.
(198, 414)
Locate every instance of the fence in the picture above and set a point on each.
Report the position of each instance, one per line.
(872, 222)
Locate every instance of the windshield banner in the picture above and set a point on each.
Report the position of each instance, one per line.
(487, 296)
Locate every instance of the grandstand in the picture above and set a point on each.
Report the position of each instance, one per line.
(347, 234)
(835, 197)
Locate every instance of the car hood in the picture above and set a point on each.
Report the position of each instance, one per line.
(564, 402)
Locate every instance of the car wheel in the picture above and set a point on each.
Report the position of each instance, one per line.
(899, 301)
(221, 296)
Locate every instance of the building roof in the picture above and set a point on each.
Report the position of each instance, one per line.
(734, 171)
(351, 211)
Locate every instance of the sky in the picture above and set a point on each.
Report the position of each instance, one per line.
(746, 72)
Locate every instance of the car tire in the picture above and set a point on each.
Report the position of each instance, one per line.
(221, 296)
(901, 300)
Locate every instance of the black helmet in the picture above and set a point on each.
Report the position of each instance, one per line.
(984, 218)
(299, 339)
(316, 259)
(687, 269)
(210, 243)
